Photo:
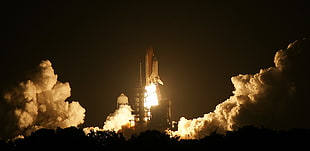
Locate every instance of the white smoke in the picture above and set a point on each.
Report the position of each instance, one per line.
(121, 117)
(276, 97)
(39, 103)
(122, 120)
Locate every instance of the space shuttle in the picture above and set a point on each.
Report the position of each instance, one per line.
(151, 68)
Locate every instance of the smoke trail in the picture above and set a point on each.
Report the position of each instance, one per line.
(39, 103)
(276, 97)
(121, 117)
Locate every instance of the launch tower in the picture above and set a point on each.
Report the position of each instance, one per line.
(150, 109)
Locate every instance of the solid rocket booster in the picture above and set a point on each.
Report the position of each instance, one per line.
(151, 68)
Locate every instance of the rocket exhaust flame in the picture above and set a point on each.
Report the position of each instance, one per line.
(152, 80)
(151, 98)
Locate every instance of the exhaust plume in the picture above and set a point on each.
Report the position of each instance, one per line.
(121, 117)
(39, 102)
(276, 97)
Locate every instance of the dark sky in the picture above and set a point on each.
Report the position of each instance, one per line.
(97, 47)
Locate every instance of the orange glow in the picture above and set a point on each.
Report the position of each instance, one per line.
(151, 98)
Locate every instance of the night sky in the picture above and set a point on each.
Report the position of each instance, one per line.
(97, 47)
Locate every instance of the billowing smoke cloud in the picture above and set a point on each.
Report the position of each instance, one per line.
(121, 117)
(122, 120)
(276, 97)
(39, 103)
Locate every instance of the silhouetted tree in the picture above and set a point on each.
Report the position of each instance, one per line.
(106, 140)
(247, 138)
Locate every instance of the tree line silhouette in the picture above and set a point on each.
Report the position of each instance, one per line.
(245, 138)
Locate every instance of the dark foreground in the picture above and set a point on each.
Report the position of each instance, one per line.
(246, 138)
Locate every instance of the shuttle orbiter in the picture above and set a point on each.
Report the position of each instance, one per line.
(151, 68)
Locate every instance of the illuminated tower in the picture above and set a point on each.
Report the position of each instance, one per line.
(139, 110)
(150, 109)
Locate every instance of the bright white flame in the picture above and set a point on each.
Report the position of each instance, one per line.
(151, 98)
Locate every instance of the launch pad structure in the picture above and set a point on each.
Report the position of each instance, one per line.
(150, 109)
